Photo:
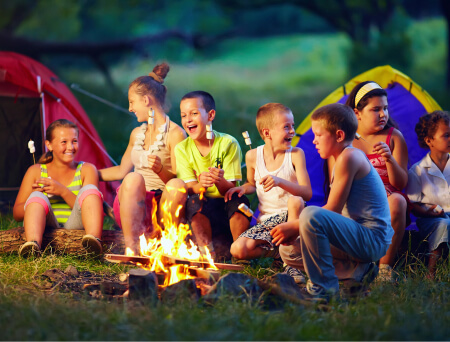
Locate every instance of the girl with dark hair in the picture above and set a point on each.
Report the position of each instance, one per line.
(60, 192)
(150, 152)
(428, 184)
(386, 149)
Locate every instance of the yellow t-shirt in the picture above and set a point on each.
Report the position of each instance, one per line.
(225, 153)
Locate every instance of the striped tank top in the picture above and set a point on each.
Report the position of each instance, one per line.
(60, 208)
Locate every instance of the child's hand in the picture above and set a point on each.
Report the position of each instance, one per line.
(268, 182)
(216, 174)
(36, 186)
(435, 211)
(154, 163)
(284, 233)
(206, 180)
(51, 186)
(383, 150)
(239, 189)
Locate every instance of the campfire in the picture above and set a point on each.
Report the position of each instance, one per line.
(171, 252)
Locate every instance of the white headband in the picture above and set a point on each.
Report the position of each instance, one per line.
(364, 90)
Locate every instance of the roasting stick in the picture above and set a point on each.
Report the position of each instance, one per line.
(32, 149)
(359, 137)
(248, 142)
(151, 121)
(209, 136)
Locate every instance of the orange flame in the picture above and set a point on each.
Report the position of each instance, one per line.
(173, 241)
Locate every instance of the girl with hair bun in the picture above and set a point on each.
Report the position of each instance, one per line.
(386, 149)
(60, 192)
(150, 152)
(429, 182)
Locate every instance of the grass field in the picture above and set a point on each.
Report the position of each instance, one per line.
(413, 309)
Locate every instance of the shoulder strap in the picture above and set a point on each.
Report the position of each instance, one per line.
(388, 138)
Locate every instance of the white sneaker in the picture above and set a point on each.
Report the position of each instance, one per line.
(385, 274)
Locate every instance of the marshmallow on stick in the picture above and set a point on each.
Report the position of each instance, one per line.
(32, 149)
(359, 137)
(247, 139)
(209, 133)
(209, 136)
(247, 211)
(151, 116)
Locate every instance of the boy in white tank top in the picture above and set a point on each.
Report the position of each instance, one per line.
(277, 172)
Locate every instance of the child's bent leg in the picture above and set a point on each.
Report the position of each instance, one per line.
(245, 248)
(90, 200)
(175, 194)
(320, 228)
(239, 223)
(37, 213)
(295, 207)
(397, 207)
(202, 229)
(132, 209)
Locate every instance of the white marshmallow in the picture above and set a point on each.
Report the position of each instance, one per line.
(246, 210)
(245, 135)
(209, 135)
(248, 141)
(209, 128)
(31, 146)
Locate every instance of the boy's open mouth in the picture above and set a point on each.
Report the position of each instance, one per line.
(191, 128)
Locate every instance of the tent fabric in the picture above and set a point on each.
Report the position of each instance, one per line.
(407, 102)
(20, 77)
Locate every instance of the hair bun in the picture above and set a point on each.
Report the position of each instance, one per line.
(160, 72)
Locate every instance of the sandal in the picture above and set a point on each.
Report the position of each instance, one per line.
(29, 248)
(92, 244)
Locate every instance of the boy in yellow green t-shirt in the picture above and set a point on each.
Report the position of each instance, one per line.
(209, 167)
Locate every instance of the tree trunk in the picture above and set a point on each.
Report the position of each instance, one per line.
(61, 241)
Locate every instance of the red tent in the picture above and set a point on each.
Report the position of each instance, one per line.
(32, 97)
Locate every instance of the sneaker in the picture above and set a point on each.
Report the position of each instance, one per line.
(29, 248)
(386, 274)
(92, 244)
(316, 293)
(296, 274)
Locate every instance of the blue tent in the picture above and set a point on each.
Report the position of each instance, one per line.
(407, 102)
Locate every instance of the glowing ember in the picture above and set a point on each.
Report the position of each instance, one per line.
(173, 241)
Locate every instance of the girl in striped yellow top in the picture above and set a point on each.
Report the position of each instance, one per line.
(60, 192)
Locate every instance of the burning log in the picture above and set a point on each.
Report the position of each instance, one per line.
(60, 240)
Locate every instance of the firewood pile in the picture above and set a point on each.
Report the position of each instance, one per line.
(144, 286)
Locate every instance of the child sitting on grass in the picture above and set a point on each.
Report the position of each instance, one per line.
(343, 238)
(277, 172)
(209, 163)
(60, 192)
(386, 149)
(429, 182)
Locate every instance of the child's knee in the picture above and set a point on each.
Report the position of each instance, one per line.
(132, 182)
(308, 218)
(176, 189)
(239, 248)
(39, 198)
(89, 190)
(397, 204)
(296, 203)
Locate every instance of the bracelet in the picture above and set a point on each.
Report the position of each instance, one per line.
(162, 166)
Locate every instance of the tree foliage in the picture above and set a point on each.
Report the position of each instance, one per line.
(99, 28)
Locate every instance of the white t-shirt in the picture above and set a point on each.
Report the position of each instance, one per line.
(428, 185)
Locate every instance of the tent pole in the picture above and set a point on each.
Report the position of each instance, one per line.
(99, 99)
